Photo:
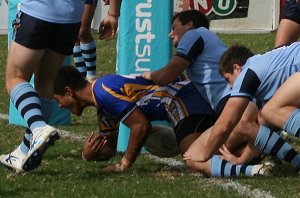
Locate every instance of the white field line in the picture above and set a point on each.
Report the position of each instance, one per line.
(242, 189)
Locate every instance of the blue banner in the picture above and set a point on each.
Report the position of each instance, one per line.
(143, 42)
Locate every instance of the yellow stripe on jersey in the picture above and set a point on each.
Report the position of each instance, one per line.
(131, 92)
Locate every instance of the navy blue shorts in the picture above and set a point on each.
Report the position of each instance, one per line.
(291, 10)
(193, 124)
(34, 33)
(91, 2)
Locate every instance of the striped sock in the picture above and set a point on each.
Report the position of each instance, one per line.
(88, 51)
(272, 144)
(222, 168)
(79, 60)
(27, 102)
(292, 125)
(25, 144)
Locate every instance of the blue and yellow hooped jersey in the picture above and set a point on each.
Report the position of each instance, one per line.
(118, 96)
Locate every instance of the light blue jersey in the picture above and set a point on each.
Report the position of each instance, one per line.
(263, 74)
(204, 49)
(55, 11)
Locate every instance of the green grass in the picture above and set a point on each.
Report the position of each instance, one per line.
(64, 174)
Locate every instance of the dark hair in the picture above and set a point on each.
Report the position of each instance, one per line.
(68, 76)
(198, 18)
(236, 54)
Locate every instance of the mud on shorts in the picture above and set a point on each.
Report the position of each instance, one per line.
(291, 10)
(34, 33)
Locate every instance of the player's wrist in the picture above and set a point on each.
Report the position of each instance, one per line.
(125, 163)
(112, 14)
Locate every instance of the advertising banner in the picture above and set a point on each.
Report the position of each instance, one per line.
(236, 16)
(143, 42)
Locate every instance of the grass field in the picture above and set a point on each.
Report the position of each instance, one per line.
(64, 174)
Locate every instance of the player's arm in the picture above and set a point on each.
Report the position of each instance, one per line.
(228, 119)
(169, 73)
(140, 127)
(108, 27)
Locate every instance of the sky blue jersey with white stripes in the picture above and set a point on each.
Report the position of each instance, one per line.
(118, 96)
(203, 49)
(55, 11)
(263, 74)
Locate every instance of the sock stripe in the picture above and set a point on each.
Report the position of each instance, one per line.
(233, 170)
(29, 107)
(26, 142)
(90, 59)
(80, 64)
(270, 134)
(243, 169)
(33, 119)
(291, 154)
(297, 134)
(88, 51)
(24, 96)
(277, 146)
(223, 164)
(77, 54)
(91, 68)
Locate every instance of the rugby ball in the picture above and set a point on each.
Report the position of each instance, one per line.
(161, 142)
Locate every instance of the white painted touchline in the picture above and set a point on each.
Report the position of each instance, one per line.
(242, 189)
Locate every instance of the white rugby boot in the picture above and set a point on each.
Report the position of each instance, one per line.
(42, 139)
(262, 170)
(13, 160)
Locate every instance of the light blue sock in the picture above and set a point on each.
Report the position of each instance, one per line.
(272, 144)
(79, 60)
(27, 102)
(88, 51)
(292, 125)
(222, 168)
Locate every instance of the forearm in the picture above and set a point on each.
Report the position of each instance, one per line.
(217, 138)
(114, 8)
(137, 139)
(160, 77)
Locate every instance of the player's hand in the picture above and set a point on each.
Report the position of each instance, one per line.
(199, 156)
(120, 167)
(108, 27)
(227, 155)
(115, 168)
(146, 75)
(93, 145)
